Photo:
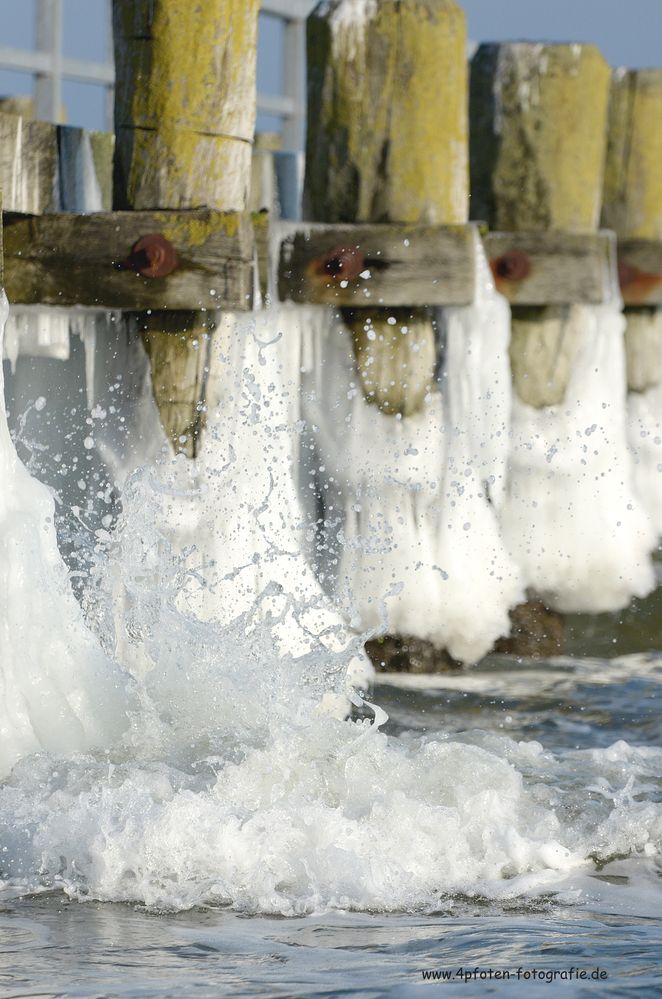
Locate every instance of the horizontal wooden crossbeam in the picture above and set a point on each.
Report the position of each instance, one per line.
(551, 268)
(103, 260)
(112, 260)
(368, 265)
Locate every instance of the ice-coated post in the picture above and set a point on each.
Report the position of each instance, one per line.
(538, 116)
(387, 142)
(632, 205)
(185, 105)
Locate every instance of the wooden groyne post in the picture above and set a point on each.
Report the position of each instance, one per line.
(538, 118)
(632, 207)
(185, 105)
(387, 142)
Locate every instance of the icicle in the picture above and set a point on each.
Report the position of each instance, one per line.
(88, 335)
(36, 331)
(12, 343)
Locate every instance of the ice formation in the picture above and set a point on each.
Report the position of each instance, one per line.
(411, 533)
(37, 332)
(645, 435)
(643, 342)
(571, 518)
(58, 691)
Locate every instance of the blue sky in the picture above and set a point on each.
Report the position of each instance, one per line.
(629, 32)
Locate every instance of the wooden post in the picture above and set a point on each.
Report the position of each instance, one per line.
(29, 165)
(633, 202)
(537, 138)
(387, 141)
(184, 122)
(538, 117)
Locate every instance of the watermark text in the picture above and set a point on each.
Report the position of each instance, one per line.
(549, 975)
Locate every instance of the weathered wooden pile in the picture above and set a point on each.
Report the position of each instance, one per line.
(387, 176)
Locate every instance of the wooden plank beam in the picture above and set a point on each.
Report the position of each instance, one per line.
(382, 264)
(640, 271)
(550, 268)
(75, 259)
(84, 260)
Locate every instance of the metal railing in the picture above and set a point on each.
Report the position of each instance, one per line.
(49, 67)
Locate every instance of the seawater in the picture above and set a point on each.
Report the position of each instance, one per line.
(598, 721)
(175, 785)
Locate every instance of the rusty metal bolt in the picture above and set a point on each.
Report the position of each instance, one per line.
(152, 256)
(343, 263)
(513, 265)
(627, 274)
(637, 285)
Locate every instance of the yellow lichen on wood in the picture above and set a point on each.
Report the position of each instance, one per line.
(632, 204)
(387, 119)
(197, 231)
(538, 131)
(185, 102)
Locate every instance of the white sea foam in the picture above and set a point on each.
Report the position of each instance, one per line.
(326, 814)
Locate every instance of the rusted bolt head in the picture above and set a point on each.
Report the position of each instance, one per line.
(637, 285)
(153, 256)
(627, 274)
(513, 265)
(343, 262)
